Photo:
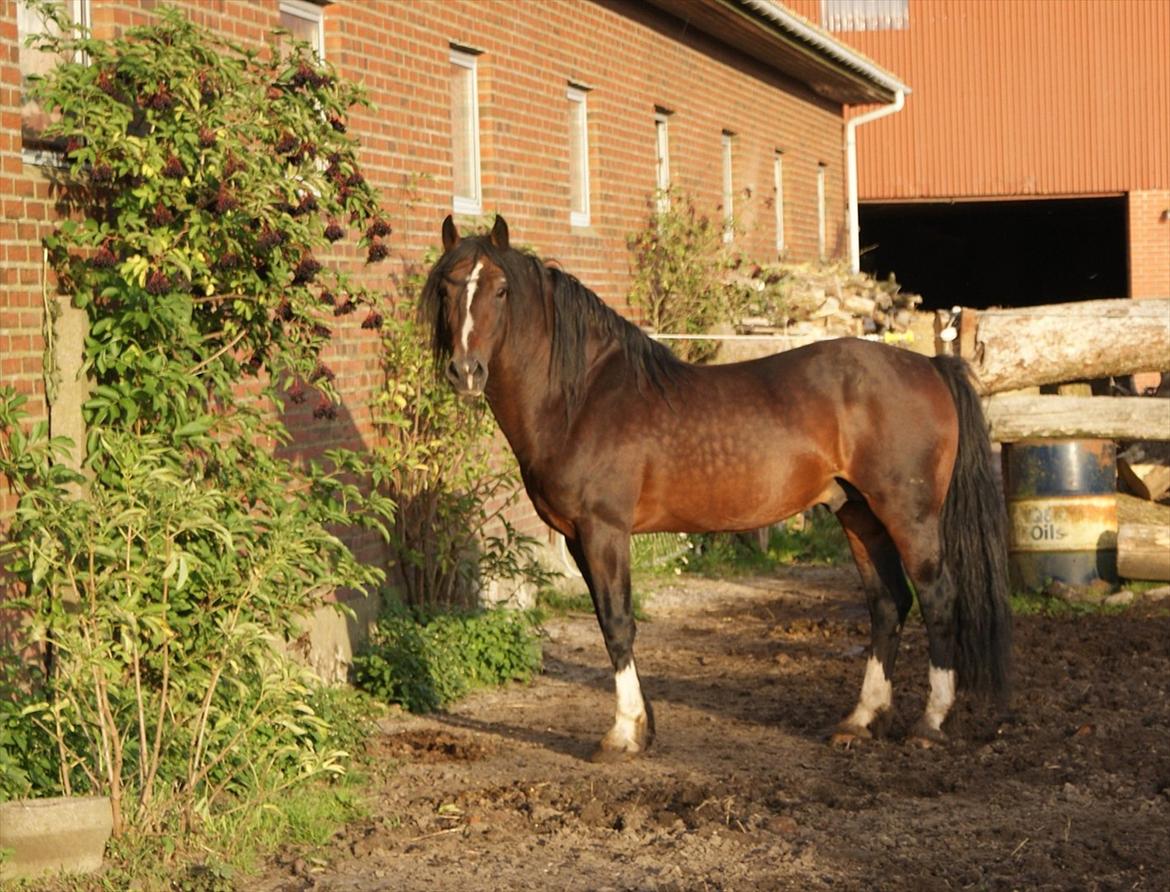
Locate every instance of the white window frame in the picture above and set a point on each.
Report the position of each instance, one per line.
(311, 13)
(579, 217)
(727, 143)
(778, 197)
(865, 15)
(662, 160)
(471, 205)
(822, 239)
(82, 14)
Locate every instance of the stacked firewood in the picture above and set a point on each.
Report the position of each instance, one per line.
(825, 299)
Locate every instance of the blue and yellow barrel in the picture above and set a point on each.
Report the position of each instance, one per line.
(1062, 507)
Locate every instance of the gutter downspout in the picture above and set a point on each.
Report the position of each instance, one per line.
(851, 170)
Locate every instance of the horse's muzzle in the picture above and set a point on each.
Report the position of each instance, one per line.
(468, 376)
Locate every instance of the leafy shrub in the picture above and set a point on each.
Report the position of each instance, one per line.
(680, 269)
(425, 662)
(205, 181)
(157, 601)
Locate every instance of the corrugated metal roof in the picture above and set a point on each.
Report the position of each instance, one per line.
(1021, 98)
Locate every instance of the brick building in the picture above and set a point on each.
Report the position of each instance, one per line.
(1032, 163)
(566, 116)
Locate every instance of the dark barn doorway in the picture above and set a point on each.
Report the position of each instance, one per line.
(1000, 253)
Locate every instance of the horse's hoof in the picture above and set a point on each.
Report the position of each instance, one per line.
(604, 756)
(925, 737)
(846, 737)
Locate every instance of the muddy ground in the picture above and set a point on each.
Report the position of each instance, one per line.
(741, 791)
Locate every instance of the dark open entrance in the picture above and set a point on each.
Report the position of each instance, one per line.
(1000, 253)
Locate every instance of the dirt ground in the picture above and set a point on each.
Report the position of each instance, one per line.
(741, 791)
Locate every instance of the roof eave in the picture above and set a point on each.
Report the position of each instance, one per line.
(790, 44)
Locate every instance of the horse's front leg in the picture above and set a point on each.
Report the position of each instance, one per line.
(602, 553)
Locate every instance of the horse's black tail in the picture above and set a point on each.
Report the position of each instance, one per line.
(974, 544)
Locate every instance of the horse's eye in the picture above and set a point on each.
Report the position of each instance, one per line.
(502, 292)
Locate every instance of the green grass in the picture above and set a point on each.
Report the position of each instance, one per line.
(819, 542)
(558, 602)
(1039, 604)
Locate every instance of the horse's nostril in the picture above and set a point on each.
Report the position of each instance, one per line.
(466, 374)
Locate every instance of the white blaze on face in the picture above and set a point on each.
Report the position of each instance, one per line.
(942, 696)
(876, 695)
(468, 323)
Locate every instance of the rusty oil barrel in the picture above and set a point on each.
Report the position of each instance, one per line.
(1062, 508)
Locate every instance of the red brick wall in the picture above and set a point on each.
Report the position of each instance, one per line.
(633, 57)
(1149, 243)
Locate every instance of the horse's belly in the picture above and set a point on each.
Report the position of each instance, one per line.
(734, 496)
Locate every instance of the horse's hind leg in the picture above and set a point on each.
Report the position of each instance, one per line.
(920, 547)
(603, 555)
(889, 598)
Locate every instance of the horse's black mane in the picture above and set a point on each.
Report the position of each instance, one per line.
(577, 312)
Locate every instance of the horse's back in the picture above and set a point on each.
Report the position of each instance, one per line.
(742, 444)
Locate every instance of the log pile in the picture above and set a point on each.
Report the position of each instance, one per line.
(826, 300)
(1144, 468)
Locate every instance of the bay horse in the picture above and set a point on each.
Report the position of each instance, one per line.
(614, 435)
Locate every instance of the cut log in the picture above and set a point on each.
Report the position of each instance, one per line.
(1146, 473)
(858, 306)
(1143, 551)
(1014, 417)
(1054, 343)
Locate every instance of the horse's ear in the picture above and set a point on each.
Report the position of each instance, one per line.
(450, 234)
(500, 233)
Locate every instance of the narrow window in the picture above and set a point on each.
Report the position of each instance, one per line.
(821, 211)
(305, 21)
(865, 15)
(578, 155)
(465, 133)
(778, 198)
(662, 163)
(728, 188)
(35, 63)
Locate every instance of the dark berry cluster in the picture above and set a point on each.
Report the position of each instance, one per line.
(161, 215)
(224, 200)
(306, 270)
(104, 257)
(306, 75)
(325, 410)
(269, 238)
(161, 100)
(158, 282)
